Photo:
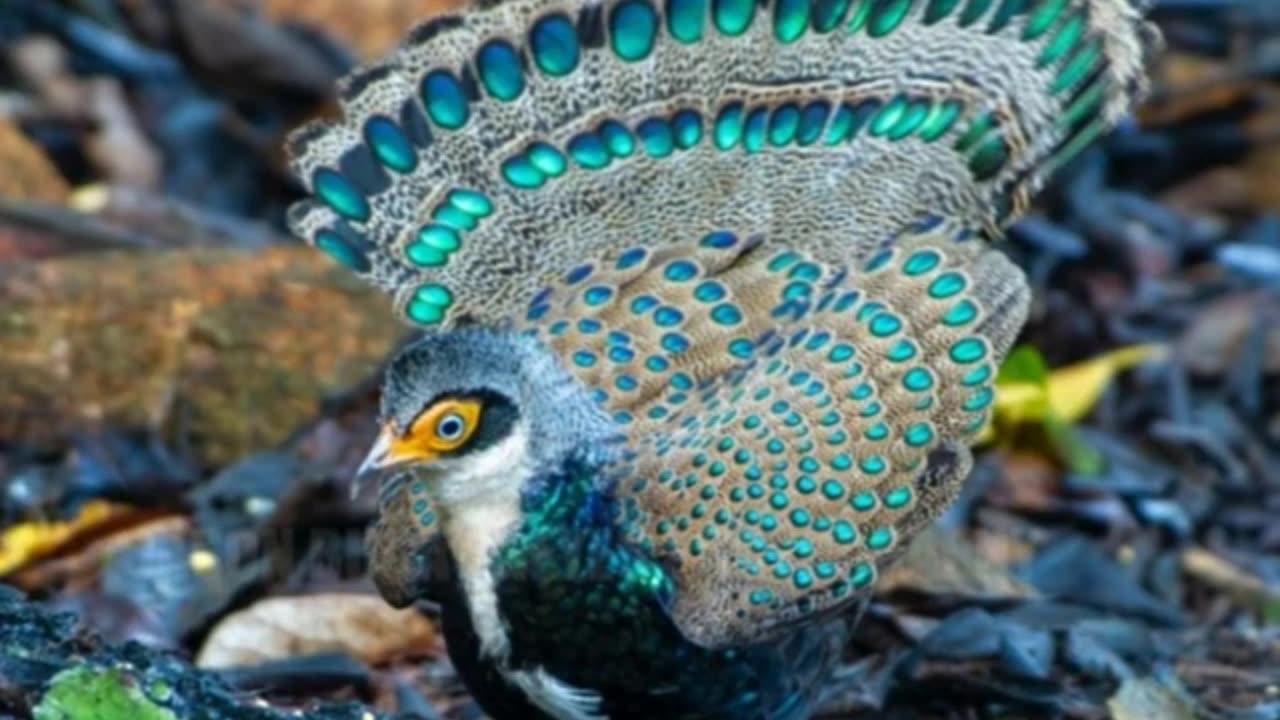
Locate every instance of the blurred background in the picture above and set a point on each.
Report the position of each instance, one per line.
(185, 391)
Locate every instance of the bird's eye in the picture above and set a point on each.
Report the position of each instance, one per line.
(451, 427)
(445, 426)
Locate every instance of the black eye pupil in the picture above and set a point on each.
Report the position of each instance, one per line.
(451, 427)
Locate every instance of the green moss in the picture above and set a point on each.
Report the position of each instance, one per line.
(85, 693)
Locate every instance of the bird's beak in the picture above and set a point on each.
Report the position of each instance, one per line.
(382, 457)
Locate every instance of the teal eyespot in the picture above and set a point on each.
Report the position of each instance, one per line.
(969, 350)
(617, 139)
(686, 126)
(887, 17)
(498, 64)
(429, 303)
(343, 251)
(938, 10)
(340, 195)
(522, 173)
(827, 14)
(589, 151)
(390, 144)
(443, 97)
(547, 160)
(790, 19)
(783, 124)
(812, 120)
(633, 27)
(940, 120)
(728, 127)
(685, 19)
(554, 43)
(655, 134)
(471, 202)
(733, 17)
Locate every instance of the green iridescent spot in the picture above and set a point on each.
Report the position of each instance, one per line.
(790, 19)
(940, 120)
(343, 251)
(339, 194)
(454, 218)
(733, 17)
(989, 158)
(655, 134)
(471, 202)
(633, 27)
(617, 139)
(1063, 41)
(977, 377)
(980, 400)
(844, 532)
(825, 570)
(884, 325)
(911, 120)
(887, 17)
(873, 465)
(554, 43)
(921, 262)
(756, 129)
(918, 435)
(783, 124)
(390, 144)
(429, 303)
(521, 173)
(804, 547)
(863, 575)
(498, 64)
(1009, 9)
(806, 485)
(863, 502)
(888, 116)
(947, 285)
(969, 350)
(841, 125)
(841, 462)
(938, 10)
(974, 12)
(898, 498)
(832, 490)
(978, 129)
(728, 128)
(802, 579)
(779, 500)
(963, 313)
(686, 127)
(860, 15)
(685, 19)
(880, 538)
(761, 597)
(433, 246)
(1078, 68)
(917, 380)
(827, 14)
(589, 151)
(1043, 18)
(800, 517)
(445, 102)
(877, 432)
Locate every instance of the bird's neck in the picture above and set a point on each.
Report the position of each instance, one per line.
(488, 533)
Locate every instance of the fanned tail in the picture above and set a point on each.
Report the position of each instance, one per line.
(501, 146)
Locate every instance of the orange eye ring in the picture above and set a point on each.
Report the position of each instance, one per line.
(443, 427)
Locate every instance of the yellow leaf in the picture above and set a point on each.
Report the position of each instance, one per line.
(22, 544)
(1068, 394)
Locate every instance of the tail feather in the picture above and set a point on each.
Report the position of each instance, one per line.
(498, 146)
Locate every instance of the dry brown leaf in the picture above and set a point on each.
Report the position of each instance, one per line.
(940, 562)
(362, 626)
(28, 173)
(372, 27)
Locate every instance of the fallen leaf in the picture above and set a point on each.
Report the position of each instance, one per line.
(27, 542)
(1027, 392)
(28, 173)
(362, 626)
(1149, 698)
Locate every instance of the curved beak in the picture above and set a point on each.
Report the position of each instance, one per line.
(389, 451)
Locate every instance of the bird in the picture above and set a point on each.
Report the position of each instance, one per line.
(710, 316)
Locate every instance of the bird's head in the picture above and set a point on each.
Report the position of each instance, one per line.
(474, 411)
